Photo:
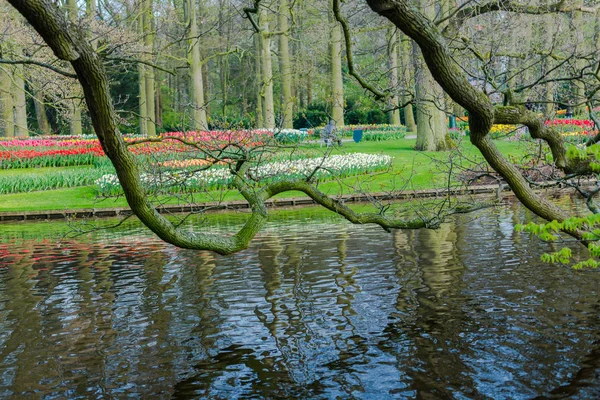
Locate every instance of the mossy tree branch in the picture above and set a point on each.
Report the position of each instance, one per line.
(454, 81)
(51, 24)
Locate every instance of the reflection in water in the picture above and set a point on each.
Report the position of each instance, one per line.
(312, 310)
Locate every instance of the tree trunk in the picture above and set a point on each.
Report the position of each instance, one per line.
(393, 43)
(7, 121)
(200, 122)
(578, 86)
(75, 127)
(158, 100)
(267, 72)
(431, 121)
(20, 102)
(149, 71)
(309, 87)
(408, 80)
(337, 84)
(40, 113)
(285, 65)
(91, 8)
(260, 122)
(547, 36)
(142, 84)
(206, 87)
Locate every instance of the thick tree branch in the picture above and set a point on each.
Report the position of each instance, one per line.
(453, 80)
(382, 220)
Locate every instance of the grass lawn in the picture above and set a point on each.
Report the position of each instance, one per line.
(411, 170)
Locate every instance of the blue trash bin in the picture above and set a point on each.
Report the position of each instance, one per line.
(452, 122)
(357, 135)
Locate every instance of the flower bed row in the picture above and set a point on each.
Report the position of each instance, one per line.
(66, 151)
(51, 180)
(338, 166)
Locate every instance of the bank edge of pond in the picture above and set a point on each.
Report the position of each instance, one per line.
(240, 204)
(12, 216)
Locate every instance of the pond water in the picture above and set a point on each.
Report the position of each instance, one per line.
(316, 308)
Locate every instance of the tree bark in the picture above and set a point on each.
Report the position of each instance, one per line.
(142, 84)
(200, 121)
(431, 120)
(260, 121)
(393, 44)
(285, 65)
(267, 72)
(75, 126)
(40, 113)
(408, 79)
(149, 36)
(7, 122)
(20, 102)
(337, 83)
(579, 97)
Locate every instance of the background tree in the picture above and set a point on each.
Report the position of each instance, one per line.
(200, 122)
(337, 84)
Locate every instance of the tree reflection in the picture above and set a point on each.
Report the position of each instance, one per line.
(429, 319)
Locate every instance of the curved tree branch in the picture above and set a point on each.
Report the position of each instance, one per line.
(454, 81)
(379, 95)
(47, 19)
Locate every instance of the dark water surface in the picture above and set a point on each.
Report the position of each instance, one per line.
(315, 309)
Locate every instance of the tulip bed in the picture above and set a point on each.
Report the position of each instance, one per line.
(62, 151)
(185, 181)
(574, 130)
(80, 161)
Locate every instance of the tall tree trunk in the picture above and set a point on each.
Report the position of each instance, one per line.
(579, 89)
(285, 65)
(91, 7)
(40, 113)
(547, 37)
(260, 122)
(206, 87)
(200, 122)
(393, 43)
(75, 127)
(158, 100)
(7, 121)
(149, 36)
(142, 83)
(20, 102)
(431, 121)
(408, 80)
(337, 84)
(225, 32)
(267, 72)
(309, 87)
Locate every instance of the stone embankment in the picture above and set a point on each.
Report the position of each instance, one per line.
(237, 205)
